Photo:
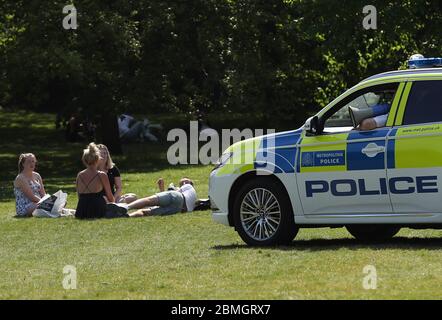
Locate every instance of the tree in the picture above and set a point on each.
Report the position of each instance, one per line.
(53, 69)
(277, 60)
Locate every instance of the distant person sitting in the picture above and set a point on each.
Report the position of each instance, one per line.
(377, 113)
(172, 201)
(73, 129)
(80, 129)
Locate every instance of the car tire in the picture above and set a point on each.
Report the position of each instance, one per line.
(365, 232)
(262, 213)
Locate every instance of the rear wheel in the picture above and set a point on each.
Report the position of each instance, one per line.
(372, 232)
(262, 213)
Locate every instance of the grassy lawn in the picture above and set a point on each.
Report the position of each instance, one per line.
(185, 256)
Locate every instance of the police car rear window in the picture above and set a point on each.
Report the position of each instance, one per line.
(424, 103)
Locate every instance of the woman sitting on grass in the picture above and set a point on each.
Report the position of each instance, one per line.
(106, 165)
(92, 187)
(28, 186)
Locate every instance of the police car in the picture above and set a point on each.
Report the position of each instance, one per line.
(330, 174)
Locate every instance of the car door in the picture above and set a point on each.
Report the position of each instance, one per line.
(415, 150)
(343, 170)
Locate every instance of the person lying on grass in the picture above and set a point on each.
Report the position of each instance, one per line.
(169, 202)
(28, 186)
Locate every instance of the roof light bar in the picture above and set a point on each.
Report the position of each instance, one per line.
(421, 62)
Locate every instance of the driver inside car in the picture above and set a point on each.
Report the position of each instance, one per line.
(379, 113)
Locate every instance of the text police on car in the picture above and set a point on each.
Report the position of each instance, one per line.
(367, 161)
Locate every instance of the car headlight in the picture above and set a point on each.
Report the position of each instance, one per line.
(223, 160)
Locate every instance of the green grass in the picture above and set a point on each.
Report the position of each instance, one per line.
(186, 256)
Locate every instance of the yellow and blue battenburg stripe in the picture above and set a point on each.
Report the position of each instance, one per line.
(342, 152)
(322, 153)
(278, 152)
(357, 141)
(291, 152)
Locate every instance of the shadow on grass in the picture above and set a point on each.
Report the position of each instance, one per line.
(352, 244)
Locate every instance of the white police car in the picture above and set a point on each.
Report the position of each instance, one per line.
(328, 174)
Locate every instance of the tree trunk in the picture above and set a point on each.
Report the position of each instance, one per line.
(110, 133)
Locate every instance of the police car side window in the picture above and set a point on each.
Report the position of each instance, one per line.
(366, 98)
(424, 103)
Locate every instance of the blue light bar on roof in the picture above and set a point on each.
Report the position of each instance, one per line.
(424, 63)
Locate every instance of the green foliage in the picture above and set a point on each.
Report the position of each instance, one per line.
(276, 59)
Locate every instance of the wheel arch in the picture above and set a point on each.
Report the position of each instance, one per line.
(241, 180)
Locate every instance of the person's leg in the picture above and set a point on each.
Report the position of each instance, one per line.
(163, 211)
(170, 202)
(128, 198)
(140, 213)
(164, 203)
(144, 202)
(30, 209)
(149, 136)
(134, 132)
(155, 211)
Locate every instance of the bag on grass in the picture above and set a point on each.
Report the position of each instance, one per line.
(50, 206)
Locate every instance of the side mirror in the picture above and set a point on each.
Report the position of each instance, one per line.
(311, 125)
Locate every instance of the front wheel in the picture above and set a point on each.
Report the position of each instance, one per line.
(372, 232)
(263, 214)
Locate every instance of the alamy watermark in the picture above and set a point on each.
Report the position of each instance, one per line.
(370, 281)
(371, 19)
(70, 21)
(186, 148)
(70, 279)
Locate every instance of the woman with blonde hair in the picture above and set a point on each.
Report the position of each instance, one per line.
(28, 186)
(108, 166)
(92, 186)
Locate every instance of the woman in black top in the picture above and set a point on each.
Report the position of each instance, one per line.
(108, 166)
(92, 187)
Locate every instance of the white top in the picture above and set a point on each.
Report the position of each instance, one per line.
(189, 195)
(123, 123)
(381, 121)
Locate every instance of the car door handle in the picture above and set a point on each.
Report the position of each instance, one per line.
(372, 150)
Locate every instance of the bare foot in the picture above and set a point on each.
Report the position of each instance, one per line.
(160, 183)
